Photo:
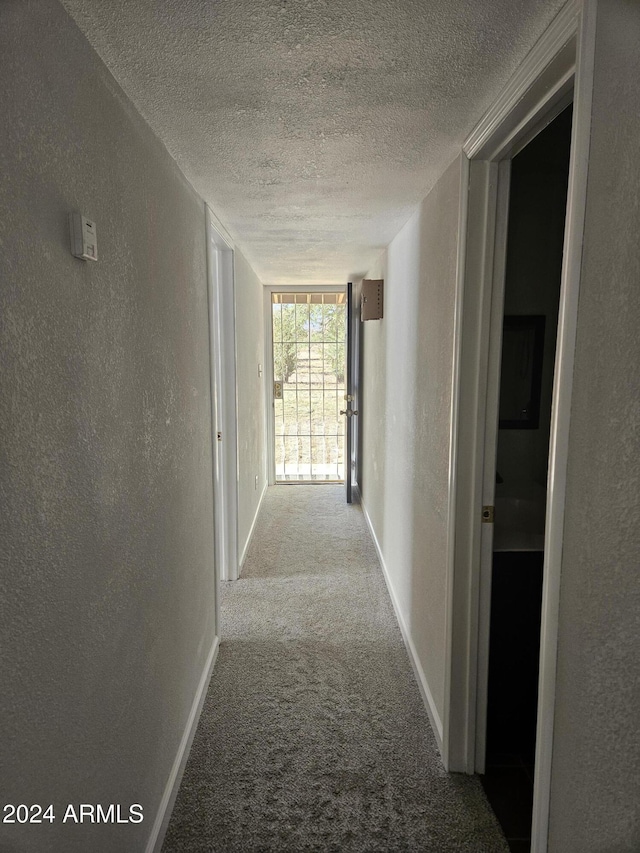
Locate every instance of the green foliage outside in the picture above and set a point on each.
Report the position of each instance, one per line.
(333, 323)
(295, 324)
(288, 329)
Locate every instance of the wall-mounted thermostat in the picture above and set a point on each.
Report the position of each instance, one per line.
(84, 243)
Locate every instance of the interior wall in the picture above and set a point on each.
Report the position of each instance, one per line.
(107, 579)
(406, 405)
(249, 295)
(596, 758)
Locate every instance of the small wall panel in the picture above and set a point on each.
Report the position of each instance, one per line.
(371, 304)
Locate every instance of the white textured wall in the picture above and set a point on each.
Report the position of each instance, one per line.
(595, 798)
(106, 548)
(251, 412)
(406, 404)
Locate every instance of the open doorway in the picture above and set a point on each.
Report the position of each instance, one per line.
(222, 342)
(513, 567)
(308, 360)
(557, 72)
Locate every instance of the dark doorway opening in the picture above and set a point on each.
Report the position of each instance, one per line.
(535, 241)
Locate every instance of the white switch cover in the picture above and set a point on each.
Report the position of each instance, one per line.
(84, 243)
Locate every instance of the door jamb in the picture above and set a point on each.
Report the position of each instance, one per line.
(493, 331)
(222, 325)
(268, 358)
(560, 63)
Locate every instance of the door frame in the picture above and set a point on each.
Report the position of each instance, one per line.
(222, 338)
(268, 361)
(489, 449)
(557, 71)
(354, 391)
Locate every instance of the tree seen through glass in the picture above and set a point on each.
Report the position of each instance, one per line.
(309, 360)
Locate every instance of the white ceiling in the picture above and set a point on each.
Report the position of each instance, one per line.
(312, 127)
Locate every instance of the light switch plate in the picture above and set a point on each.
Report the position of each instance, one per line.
(84, 243)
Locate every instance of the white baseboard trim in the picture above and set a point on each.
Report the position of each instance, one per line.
(245, 549)
(167, 802)
(423, 685)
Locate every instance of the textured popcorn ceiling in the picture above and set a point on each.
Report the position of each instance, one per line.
(312, 127)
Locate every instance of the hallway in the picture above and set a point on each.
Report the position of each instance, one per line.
(313, 736)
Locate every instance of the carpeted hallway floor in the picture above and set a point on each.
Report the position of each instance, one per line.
(313, 736)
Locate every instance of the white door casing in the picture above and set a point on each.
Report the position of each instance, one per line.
(222, 326)
(557, 71)
(492, 398)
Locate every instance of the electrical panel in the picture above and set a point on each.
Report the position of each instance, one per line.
(371, 299)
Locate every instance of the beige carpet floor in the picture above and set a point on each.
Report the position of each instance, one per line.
(313, 735)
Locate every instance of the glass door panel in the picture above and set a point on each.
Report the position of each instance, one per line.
(309, 336)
